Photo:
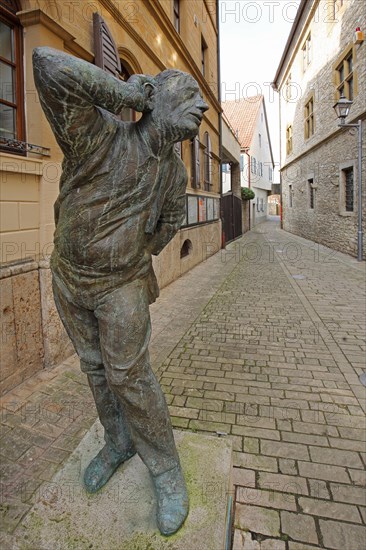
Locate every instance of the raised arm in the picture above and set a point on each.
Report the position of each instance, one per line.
(71, 91)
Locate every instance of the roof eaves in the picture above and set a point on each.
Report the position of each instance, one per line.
(294, 27)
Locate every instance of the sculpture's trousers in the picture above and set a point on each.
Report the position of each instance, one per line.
(111, 337)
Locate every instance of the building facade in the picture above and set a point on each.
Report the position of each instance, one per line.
(123, 38)
(322, 61)
(248, 117)
(231, 201)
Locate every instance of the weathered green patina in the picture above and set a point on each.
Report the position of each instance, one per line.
(122, 197)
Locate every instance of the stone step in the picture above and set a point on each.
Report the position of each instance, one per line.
(121, 516)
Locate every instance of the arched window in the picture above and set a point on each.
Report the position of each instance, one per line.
(186, 248)
(207, 167)
(12, 125)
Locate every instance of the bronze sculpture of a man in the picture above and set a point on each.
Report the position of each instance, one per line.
(121, 199)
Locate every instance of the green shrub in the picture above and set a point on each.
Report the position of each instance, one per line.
(247, 194)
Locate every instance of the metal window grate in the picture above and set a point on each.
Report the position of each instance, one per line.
(348, 189)
(16, 146)
(311, 194)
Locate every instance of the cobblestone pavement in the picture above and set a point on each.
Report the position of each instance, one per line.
(263, 342)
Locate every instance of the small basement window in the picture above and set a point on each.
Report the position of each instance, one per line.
(186, 248)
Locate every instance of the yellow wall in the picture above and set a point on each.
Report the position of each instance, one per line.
(146, 31)
(146, 38)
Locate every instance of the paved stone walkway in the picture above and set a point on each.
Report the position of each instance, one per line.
(263, 342)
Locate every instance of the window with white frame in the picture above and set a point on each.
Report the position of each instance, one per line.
(253, 165)
(288, 93)
(306, 52)
(289, 139)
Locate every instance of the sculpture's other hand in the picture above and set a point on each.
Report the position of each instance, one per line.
(140, 91)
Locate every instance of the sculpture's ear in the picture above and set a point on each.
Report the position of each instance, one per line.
(149, 95)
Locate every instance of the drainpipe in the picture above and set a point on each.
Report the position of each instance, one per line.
(220, 115)
(275, 88)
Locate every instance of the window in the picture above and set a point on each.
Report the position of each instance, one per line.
(306, 53)
(270, 173)
(186, 248)
(334, 7)
(258, 205)
(290, 195)
(195, 163)
(262, 205)
(309, 118)
(253, 165)
(203, 56)
(347, 189)
(241, 163)
(176, 9)
(289, 140)
(260, 140)
(12, 124)
(288, 94)
(260, 169)
(311, 194)
(207, 166)
(106, 52)
(344, 76)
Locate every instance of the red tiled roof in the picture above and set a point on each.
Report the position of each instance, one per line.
(242, 116)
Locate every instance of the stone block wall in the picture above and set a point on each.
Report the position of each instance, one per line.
(327, 223)
(204, 241)
(21, 324)
(322, 156)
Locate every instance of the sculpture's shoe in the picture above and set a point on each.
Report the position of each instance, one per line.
(173, 503)
(103, 466)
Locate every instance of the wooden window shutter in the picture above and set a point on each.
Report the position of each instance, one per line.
(195, 163)
(106, 53)
(208, 161)
(11, 5)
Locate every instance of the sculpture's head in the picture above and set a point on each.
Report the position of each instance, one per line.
(176, 105)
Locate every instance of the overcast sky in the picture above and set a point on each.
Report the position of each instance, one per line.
(253, 37)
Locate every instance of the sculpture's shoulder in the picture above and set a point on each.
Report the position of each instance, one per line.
(180, 169)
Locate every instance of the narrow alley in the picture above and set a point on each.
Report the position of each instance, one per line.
(262, 343)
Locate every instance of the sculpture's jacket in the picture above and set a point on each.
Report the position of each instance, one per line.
(115, 193)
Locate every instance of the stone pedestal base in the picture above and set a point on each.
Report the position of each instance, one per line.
(122, 515)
